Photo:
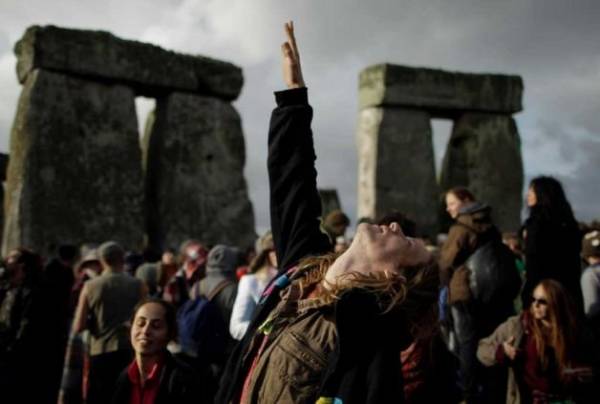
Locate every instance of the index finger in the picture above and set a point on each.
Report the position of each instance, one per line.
(289, 30)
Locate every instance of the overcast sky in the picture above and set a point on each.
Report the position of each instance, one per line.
(553, 44)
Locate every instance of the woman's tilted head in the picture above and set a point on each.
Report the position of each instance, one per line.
(153, 326)
(456, 199)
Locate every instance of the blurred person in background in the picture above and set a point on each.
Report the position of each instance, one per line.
(105, 306)
(193, 269)
(543, 350)
(262, 269)
(552, 240)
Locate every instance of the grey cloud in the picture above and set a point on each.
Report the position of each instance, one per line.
(552, 44)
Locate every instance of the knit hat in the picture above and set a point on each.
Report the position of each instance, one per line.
(222, 259)
(591, 244)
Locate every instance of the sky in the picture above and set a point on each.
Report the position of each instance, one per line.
(553, 44)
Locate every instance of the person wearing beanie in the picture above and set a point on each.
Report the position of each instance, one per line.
(590, 278)
(220, 284)
(220, 268)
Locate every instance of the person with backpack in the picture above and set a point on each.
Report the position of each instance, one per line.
(482, 281)
(330, 327)
(204, 319)
(590, 278)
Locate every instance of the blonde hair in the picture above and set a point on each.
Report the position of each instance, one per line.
(412, 290)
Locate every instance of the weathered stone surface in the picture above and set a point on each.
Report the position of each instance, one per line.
(484, 154)
(74, 174)
(330, 201)
(439, 90)
(195, 186)
(396, 166)
(149, 69)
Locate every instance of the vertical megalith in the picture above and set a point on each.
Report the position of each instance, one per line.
(396, 165)
(75, 174)
(195, 186)
(484, 154)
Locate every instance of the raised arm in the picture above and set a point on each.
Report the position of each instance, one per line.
(294, 200)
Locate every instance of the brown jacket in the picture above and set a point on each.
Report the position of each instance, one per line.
(486, 352)
(295, 357)
(472, 229)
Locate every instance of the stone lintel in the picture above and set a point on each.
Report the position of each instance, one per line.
(150, 70)
(439, 90)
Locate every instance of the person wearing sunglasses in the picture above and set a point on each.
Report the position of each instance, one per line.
(542, 348)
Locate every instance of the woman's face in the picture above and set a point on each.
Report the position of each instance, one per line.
(539, 304)
(379, 249)
(453, 205)
(149, 331)
(531, 197)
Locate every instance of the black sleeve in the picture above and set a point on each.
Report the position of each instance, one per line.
(294, 199)
(534, 259)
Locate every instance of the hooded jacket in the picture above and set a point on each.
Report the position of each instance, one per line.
(472, 229)
(220, 267)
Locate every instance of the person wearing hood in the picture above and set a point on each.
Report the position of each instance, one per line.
(220, 284)
(472, 229)
(221, 264)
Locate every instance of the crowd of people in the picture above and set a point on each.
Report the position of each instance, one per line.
(310, 316)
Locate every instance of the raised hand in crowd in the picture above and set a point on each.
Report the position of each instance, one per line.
(292, 71)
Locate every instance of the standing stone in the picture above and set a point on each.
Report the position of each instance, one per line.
(195, 186)
(396, 166)
(484, 154)
(74, 174)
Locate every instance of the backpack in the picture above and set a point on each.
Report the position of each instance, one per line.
(203, 333)
(494, 275)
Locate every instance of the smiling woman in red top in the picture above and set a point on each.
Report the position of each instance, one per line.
(154, 376)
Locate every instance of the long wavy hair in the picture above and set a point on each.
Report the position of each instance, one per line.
(552, 203)
(412, 290)
(561, 335)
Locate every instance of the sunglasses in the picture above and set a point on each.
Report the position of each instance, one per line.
(541, 302)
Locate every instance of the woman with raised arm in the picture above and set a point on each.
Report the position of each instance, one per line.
(328, 328)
